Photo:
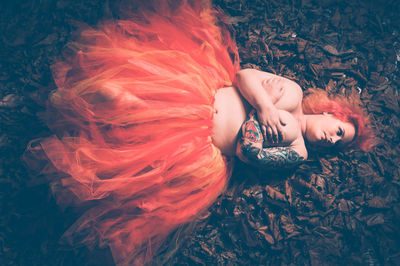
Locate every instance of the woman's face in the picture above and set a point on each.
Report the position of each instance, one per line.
(325, 130)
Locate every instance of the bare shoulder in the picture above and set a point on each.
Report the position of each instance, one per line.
(294, 88)
(292, 96)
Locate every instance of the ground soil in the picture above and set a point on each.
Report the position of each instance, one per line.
(337, 208)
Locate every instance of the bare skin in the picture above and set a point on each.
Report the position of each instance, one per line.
(261, 120)
(232, 108)
(253, 149)
(230, 111)
(273, 134)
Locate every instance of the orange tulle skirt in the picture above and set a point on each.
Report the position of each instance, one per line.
(132, 116)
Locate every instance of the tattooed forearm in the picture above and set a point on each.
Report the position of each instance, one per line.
(252, 151)
(276, 157)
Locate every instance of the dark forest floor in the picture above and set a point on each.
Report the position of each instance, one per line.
(335, 209)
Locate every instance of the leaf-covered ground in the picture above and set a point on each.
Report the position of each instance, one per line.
(335, 209)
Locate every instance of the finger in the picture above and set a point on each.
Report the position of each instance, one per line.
(270, 134)
(264, 131)
(267, 136)
(280, 135)
(274, 134)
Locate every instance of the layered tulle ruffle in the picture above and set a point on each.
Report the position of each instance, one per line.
(132, 116)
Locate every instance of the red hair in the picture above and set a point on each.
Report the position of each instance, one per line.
(318, 101)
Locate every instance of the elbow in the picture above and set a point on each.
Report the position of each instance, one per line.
(244, 72)
(242, 75)
(239, 153)
(238, 77)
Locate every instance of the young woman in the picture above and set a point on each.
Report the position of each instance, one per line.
(146, 118)
(274, 134)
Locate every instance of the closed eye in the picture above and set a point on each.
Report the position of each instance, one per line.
(340, 132)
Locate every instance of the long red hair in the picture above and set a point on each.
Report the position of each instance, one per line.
(317, 101)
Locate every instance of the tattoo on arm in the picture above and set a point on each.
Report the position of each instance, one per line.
(251, 149)
(251, 130)
(276, 157)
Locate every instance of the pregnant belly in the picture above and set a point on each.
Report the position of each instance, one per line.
(230, 110)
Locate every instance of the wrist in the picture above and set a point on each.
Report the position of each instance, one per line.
(264, 106)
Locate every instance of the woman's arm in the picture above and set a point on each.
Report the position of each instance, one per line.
(267, 93)
(252, 85)
(263, 89)
(250, 148)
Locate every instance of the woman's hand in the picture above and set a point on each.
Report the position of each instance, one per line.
(269, 118)
(264, 91)
(271, 124)
(250, 148)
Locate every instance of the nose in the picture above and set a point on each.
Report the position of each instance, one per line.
(334, 139)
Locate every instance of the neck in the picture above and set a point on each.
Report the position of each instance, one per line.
(303, 120)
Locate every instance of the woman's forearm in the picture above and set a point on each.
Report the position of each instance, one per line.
(250, 148)
(264, 90)
(261, 89)
(251, 88)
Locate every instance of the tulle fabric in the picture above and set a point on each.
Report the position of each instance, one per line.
(132, 116)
